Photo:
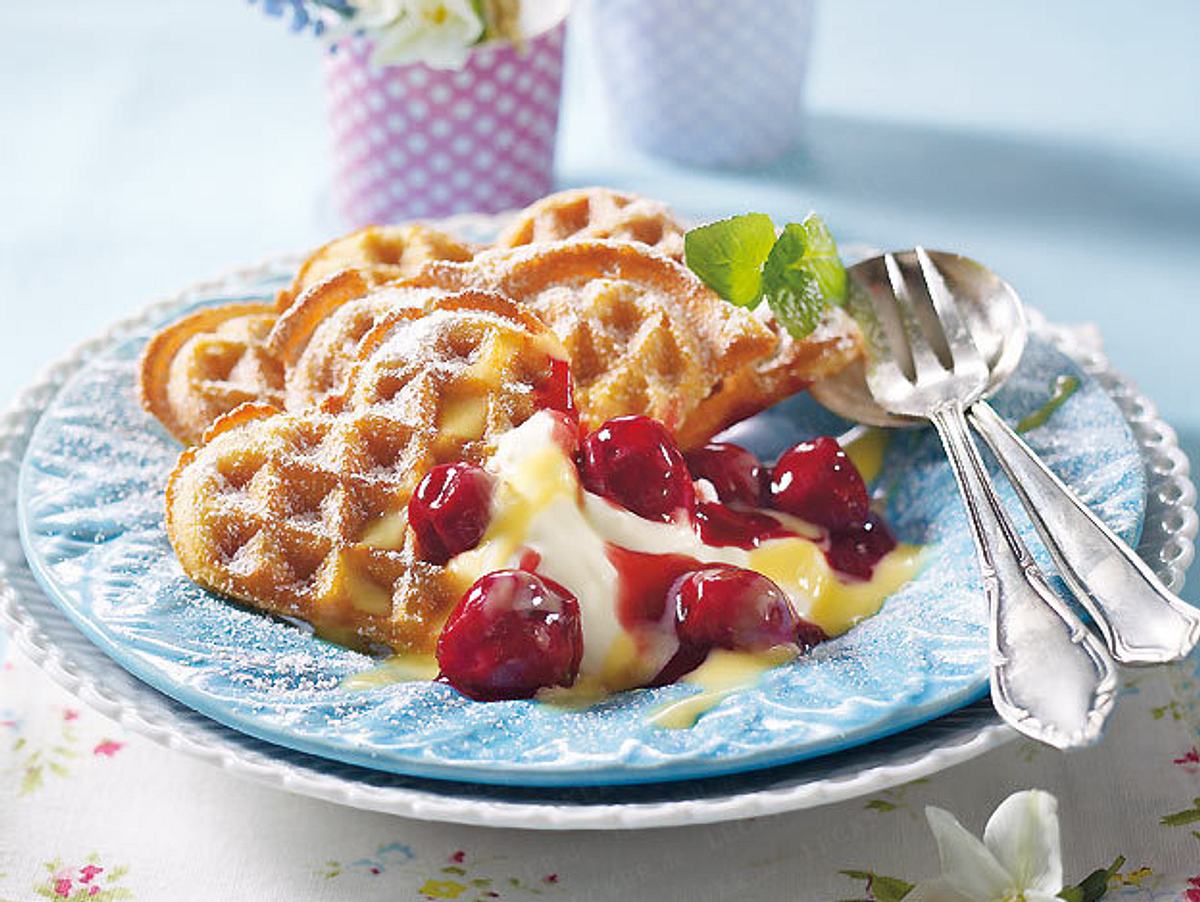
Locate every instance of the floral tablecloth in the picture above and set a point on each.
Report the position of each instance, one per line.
(89, 811)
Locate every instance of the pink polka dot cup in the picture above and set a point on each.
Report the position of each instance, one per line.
(411, 142)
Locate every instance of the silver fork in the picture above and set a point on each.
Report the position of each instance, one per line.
(1050, 677)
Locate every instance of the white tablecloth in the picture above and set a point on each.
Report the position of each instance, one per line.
(85, 804)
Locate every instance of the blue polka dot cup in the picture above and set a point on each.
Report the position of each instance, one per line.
(706, 82)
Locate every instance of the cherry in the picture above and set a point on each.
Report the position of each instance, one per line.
(450, 509)
(728, 607)
(721, 525)
(809, 635)
(856, 549)
(511, 634)
(736, 474)
(817, 482)
(635, 462)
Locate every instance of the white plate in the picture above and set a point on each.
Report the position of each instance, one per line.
(44, 634)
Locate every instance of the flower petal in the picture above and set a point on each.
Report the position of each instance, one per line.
(371, 14)
(439, 33)
(967, 865)
(1036, 895)
(1023, 835)
(936, 891)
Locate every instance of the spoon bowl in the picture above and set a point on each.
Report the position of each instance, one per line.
(989, 306)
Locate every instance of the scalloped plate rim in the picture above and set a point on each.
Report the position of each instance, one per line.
(1168, 545)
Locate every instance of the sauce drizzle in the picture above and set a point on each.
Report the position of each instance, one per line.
(1061, 389)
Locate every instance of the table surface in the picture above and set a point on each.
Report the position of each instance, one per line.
(146, 145)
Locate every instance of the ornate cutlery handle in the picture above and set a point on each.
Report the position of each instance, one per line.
(1141, 620)
(1051, 678)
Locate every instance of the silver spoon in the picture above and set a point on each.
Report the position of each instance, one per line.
(1141, 620)
(1050, 677)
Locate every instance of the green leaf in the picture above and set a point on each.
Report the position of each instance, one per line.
(1060, 390)
(728, 256)
(32, 780)
(882, 805)
(1182, 818)
(1095, 885)
(889, 889)
(821, 256)
(803, 275)
(881, 888)
(481, 11)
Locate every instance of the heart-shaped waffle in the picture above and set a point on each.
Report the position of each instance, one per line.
(381, 252)
(596, 213)
(208, 363)
(796, 364)
(304, 514)
(317, 338)
(643, 334)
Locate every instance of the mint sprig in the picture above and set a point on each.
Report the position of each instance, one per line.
(799, 273)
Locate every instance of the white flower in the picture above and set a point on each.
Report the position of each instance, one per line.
(1019, 860)
(439, 33)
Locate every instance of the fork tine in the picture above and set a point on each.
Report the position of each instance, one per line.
(925, 362)
(959, 340)
(883, 368)
(878, 323)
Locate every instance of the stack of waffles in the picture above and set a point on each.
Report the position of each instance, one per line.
(311, 420)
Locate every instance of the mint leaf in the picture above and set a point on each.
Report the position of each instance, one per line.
(728, 256)
(792, 290)
(803, 275)
(821, 256)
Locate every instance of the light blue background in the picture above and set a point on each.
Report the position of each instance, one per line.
(145, 145)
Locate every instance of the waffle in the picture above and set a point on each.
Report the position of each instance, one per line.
(642, 333)
(380, 252)
(317, 338)
(304, 514)
(596, 213)
(795, 365)
(208, 363)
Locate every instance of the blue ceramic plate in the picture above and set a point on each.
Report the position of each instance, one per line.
(91, 520)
